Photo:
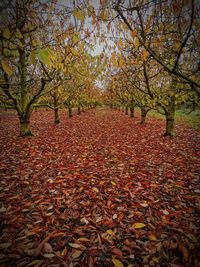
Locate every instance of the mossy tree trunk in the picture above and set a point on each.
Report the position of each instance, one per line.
(25, 128)
(24, 109)
(56, 112)
(144, 111)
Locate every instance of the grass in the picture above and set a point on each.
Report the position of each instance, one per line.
(192, 119)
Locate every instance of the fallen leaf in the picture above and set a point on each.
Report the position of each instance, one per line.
(117, 252)
(138, 225)
(77, 254)
(117, 263)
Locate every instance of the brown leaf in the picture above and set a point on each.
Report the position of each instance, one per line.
(48, 248)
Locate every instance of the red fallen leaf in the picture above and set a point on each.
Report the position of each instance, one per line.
(184, 251)
(129, 243)
(176, 195)
(116, 251)
(57, 233)
(91, 261)
(83, 239)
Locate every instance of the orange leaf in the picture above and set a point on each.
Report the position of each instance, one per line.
(134, 33)
(152, 237)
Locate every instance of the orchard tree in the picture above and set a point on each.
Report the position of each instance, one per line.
(166, 27)
(27, 70)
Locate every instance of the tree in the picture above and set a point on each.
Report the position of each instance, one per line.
(26, 54)
(142, 19)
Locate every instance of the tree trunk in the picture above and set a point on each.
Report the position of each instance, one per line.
(126, 110)
(169, 131)
(25, 128)
(56, 114)
(144, 112)
(132, 112)
(79, 110)
(70, 111)
(170, 113)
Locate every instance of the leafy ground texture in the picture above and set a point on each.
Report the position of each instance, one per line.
(99, 189)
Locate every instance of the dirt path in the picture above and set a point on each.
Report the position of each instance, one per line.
(74, 193)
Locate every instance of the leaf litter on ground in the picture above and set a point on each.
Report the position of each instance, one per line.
(98, 190)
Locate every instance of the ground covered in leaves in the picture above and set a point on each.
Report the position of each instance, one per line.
(99, 189)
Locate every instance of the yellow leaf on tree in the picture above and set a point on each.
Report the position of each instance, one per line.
(6, 33)
(103, 15)
(79, 14)
(91, 11)
(120, 42)
(75, 39)
(136, 42)
(74, 52)
(176, 47)
(117, 263)
(18, 34)
(144, 54)
(138, 225)
(32, 57)
(6, 67)
(171, 61)
(115, 63)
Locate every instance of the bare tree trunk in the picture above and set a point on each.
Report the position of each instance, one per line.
(170, 114)
(56, 113)
(70, 111)
(126, 110)
(79, 110)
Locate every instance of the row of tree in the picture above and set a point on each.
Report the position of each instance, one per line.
(45, 58)
(158, 65)
(150, 56)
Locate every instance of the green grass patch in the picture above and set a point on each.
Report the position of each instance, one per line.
(191, 120)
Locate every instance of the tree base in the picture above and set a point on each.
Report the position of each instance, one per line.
(26, 134)
(25, 130)
(169, 134)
